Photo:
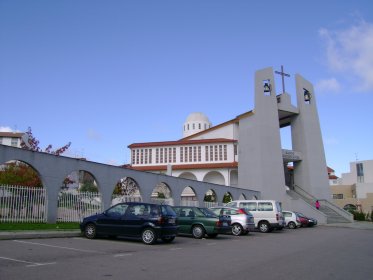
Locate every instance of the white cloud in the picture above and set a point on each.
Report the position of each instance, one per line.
(349, 52)
(6, 129)
(328, 85)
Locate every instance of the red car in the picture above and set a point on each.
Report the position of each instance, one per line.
(303, 219)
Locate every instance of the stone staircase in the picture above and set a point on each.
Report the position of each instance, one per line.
(333, 213)
(332, 216)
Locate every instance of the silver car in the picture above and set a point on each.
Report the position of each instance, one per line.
(242, 220)
(291, 219)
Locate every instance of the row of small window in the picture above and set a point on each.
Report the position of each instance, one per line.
(206, 126)
(187, 154)
(338, 196)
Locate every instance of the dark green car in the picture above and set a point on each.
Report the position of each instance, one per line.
(200, 221)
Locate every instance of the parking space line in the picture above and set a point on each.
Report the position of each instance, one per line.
(123, 255)
(53, 246)
(29, 263)
(177, 248)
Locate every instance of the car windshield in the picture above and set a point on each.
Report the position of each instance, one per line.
(207, 212)
(167, 210)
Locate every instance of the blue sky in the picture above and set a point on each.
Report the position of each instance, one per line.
(106, 74)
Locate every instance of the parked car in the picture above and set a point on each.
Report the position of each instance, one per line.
(242, 222)
(303, 219)
(291, 220)
(267, 213)
(200, 221)
(306, 221)
(145, 221)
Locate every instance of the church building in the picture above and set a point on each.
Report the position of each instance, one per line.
(246, 151)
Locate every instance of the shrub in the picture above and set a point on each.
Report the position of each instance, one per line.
(358, 216)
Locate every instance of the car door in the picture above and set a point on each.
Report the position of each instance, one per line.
(134, 219)
(110, 222)
(186, 217)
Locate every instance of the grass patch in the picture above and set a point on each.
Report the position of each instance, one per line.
(38, 226)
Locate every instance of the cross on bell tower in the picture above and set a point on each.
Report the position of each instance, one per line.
(283, 74)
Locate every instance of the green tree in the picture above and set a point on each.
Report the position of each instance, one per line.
(19, 174)
(88, 186)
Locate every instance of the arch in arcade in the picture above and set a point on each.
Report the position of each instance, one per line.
(23, 193)
(79, 196)
(189, 197)
(188, 175)
(162, 194)
(214, 177)
(126, 190)
(210, 198)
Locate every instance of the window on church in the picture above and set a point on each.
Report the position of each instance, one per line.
(141, 156)
(174, 155)
(216, 152)
(146, 156)
(360, 172)
(199, 153)
(220, 152)
(199, 126)
(161, 155)
(194, 126)
(211, 153)
(157, 155)
(186, 154)
(133, 157)
(225, 152)
(150, 155)
(14, 142)
(137, 156)
(190, 154)
(194, 153)
(165, 155)
(207, 153)
(235, 149)
(181, 154)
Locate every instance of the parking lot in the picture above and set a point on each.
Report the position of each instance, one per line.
(307, 253)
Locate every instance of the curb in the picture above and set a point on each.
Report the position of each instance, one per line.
(38, 234)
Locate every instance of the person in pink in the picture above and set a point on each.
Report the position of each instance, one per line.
(317, 205)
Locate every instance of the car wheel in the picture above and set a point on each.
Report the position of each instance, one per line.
(264, 227)
(292, 225)
(168, 239)
(90, 231)
(148, 236)
(237, 229)
(198, 232)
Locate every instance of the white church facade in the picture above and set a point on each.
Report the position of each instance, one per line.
(246, 151)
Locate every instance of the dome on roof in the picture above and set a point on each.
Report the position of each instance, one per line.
(197, 117)
(196, 122)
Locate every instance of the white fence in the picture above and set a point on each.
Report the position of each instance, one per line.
(23, 204)
(73, 205)
(27, 204)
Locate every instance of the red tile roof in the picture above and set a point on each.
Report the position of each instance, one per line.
(186, 166)
(11, 134)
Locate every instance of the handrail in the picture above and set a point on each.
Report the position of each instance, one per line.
(307, 196)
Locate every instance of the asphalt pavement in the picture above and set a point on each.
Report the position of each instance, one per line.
(32, 234)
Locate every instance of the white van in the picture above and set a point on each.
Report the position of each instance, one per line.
(267, 213)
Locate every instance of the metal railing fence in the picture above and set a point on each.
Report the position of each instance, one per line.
(23, 204)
